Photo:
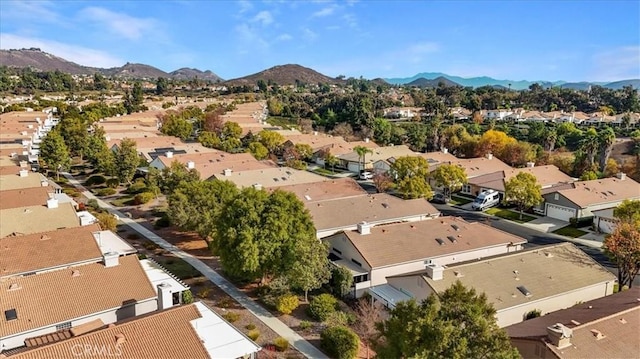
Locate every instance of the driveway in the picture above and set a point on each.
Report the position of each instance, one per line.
(546, 224)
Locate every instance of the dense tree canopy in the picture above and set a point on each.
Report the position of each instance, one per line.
(523, 190)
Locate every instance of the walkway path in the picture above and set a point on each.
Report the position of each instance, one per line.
(298, 342)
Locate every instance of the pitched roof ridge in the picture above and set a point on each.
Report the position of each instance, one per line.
(595, 321)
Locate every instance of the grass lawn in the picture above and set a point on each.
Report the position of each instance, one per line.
(458, 201)
(283, 122)
(123, 201)
(180, 268)
(325, 172)
(510, 215)
(570, 232)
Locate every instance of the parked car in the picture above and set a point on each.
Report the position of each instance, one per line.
(366, 175)
(486, 199)
(439, 198)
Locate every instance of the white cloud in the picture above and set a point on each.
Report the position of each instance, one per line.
(324, 11)
(309, 34)
(616, 64)
(245, 6)
(121, 24)
(78, 54)
(42, 11)
(249, 39)
(284, 37)
(350, 20)
(263, 17)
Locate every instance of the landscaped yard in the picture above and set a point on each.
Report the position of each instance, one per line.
(324, 172)
(570, 232)
(510, 215)
(459, 201)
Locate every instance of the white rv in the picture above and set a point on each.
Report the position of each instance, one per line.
(486, 199)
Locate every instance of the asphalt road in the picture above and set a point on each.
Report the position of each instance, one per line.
(534, 238)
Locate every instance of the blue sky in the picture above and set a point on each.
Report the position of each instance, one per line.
(516, 40)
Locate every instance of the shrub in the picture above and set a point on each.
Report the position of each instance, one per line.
(305, 325)
(148, 245)
(163, 221)
(71, 192)
(231, 317)
(340, 342)
(113, 183)
(225, 302)
(187, 297)
(137, 187)
(95, 180)
(254, 334)
(287, 303)
(142, 198)
(107, 221)
(250, 326)
(93, 203)
(204, 294)
(322, 306)
(341, 281)
(340, 319)
(281, 344)
(106, 192)
(532, 314)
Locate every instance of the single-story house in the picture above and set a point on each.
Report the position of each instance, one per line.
(604, 221)
(374, 253)
(543, 279)
(192, 331)
(607, 327)
(587, 196)
(353, 162)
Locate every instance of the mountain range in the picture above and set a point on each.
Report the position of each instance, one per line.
(39, 60)
(514, 85)
(283, 74)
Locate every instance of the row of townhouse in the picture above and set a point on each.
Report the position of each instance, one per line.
(579, 118)
(69, 289)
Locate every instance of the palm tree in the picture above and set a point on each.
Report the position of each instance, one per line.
(606, 138)
(590, 144)
(362, 152)
(331, 160)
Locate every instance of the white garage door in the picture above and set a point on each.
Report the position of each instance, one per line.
(560, 212)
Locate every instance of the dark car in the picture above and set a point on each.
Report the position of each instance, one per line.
(439, 198)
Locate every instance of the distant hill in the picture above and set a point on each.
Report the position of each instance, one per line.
(284, 75)
(39, 60)
(422, 82)
(514, 85)
(187, 73)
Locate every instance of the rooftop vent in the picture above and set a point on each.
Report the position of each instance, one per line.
(44, 237)
(10, 314)
(169, 154)
(75, 273)
(524, 291)
(598, 334)
(14, 286)
(560, 335)
(364, 228)
(191, 165)
(452, 239)
(227, 172)
(621, 176)
(307, 197)
(548, 255)
(257, 186)
(440, 241)
(455, 227)
(120, 339)
(622, 321)
(23, 173)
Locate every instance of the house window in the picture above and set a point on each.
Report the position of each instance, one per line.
(336, 250)
(356, 262)
(466, 188)
(361, 278)
(63, 326)
(556, 197)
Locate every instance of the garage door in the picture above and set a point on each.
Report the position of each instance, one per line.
(560, 212)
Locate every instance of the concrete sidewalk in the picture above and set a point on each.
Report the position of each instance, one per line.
(298, 342)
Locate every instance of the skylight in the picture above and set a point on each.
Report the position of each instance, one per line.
(524, 291)
(10, 314)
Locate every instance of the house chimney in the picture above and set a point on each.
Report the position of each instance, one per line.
(191, 165)
(489, 156)
(227, 172)
(364, 228)
(531, 164)
(315, 133)
(52, 203)
(257, 186)
(165, 299)
(434, 271)
(111, 259)
(23, 173)
(366, 140)
(621, 176)
(23, 163)
(44, 183)
(169, 154)
(445, 150)
(559, 335)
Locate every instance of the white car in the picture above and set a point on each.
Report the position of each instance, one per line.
(366, 175)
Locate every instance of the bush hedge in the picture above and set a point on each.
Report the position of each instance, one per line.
(106, 192)
(254, 334)
(322, 306)
(340, 342)
(281, 344)
(95, 180)
(231, 317)
(287, 303)
(137, 187)
(187, 297)
(142, 198)
(113, 183)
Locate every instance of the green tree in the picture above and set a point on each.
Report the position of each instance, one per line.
(410, 174)
(258, 150)
(107, 221)
(589, 145)
(457, 324)
(257, 233)
(311, 268)
(322, 306)
(382, 130)
(523, 190)
(341, 281)
(54, 152)
(162, 85)
(362, 153)
(622, 246)
(270, 139)
(589, 176)
(450, 177)
(196, 205)
(304, 150)
(340, 342)
(628, 211)
(126, 160)
(231, 130)
(74, 132)
(209, 139)
(331, 161)
(607, 139)
(173, 176)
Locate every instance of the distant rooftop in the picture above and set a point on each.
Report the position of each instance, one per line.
(35, 219)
